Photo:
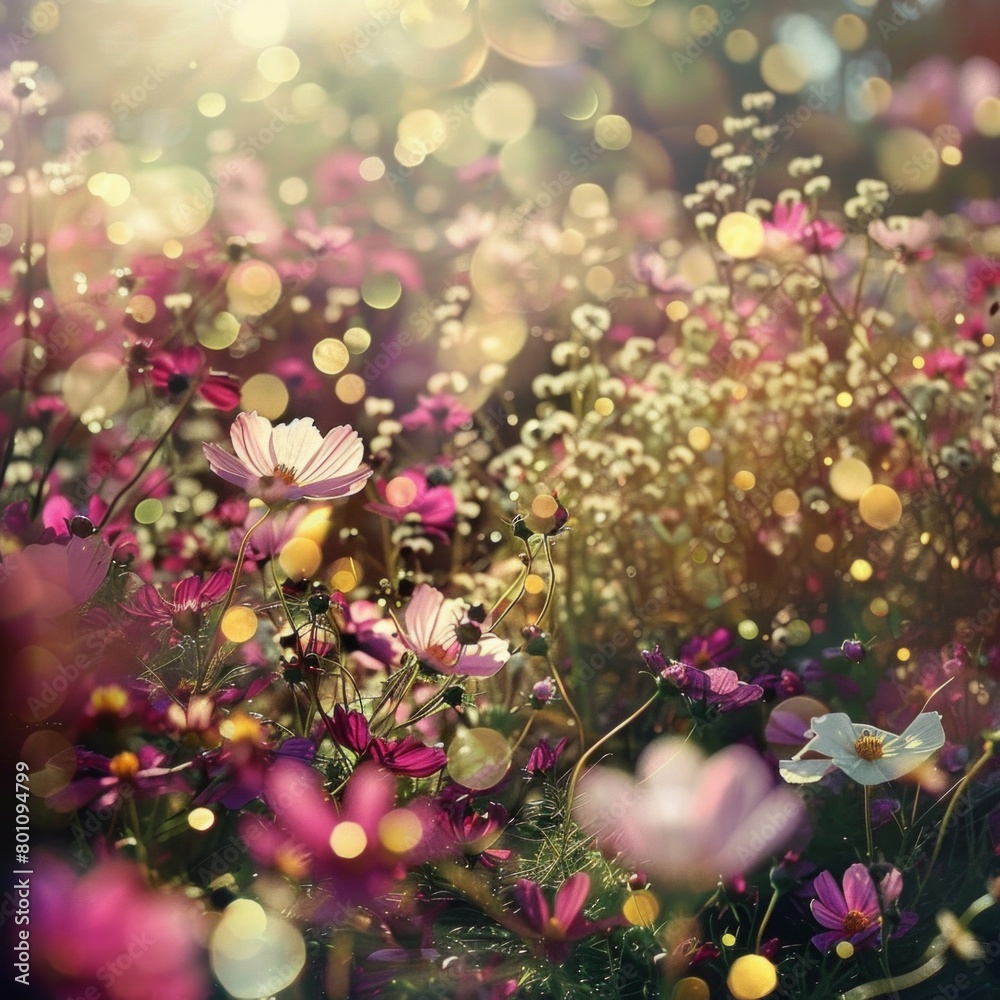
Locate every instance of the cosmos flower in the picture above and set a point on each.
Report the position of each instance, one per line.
(686, 820)
(865, 753)
(290, 462)
(108, 934)
(910, 239)
(430, 507)
(433, 624)
(564, 922)
(406, 756)
(439, 413)
(790, 224)
(718, 688)
(852, 914)
(184, 613)
(176, 371)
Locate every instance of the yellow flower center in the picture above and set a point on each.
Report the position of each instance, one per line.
(124, 765)
(109, 698)
(554, 929)
(854, 921)
(286, 475)
(868, 747)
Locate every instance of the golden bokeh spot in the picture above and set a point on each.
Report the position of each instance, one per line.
(211, 105)
(330, 356)
(148, 511)
(641, 908)
(110, 699)
(253, 288)
(242, 728)
(300, 558)
(534, 584)
(752, 977)
(381, 291)
(844, 949)
(909, 159)
(266, 394)
(677, 311)
(348, 840)
(879, 607)
(844, 400)
(604, 406)
(239, 624)
(740, 235)
(141, 308)
(850, 32)
(691, 988)
(504, 112)
(784, 69)
(849, 478)
(902, 654)
(293, 190)
(986, 116)
(350, 389)
(220, 333)
(705, 135)
(612, 132)
(589, 201)
(345, 574)
(740, 46)
(786, 503)
(880, 507)
(201, 819)
(744, 480)
(918, 362)
(748, 629)
(951, 156)
(400, 831)
(861, 570)
(544, 505)
(357, 339)
(173, 249)
(278, 64)
(699, 438)
(824, 543)
(728, 940)
(875, 95)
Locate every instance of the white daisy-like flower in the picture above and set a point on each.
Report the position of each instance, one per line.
(865, 753)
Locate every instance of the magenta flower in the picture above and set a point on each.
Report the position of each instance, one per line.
(544, 756)
(716, 690)
(438, 413)
(175, 372)
(357, 851)
(368, 636)
(790, 224)
(108, 935)
(184, 613)
(290, 462)
(688, 821)
(406, 756)
(431, 508)
(714, 650)
(562, 924)
(439, 631)
(852, 914)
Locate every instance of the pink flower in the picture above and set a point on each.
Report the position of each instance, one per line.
(357, 851)
(441, 412)
(431, 508)
(565, 922)
(789, 225)
(107, 934)
(688, 821)
(433, 624)
(176, 371)
(292, 461)
(908, 238)
(406, 756)
(852, 915)
(184, 613)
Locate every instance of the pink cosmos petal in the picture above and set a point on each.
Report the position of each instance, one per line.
(532, 901)
(570, 897)
(369, 795)
(341, 450)
(221, 390)
(293, 791)
(828, 939)
(422, 616)
(225, 466)
(251, 436)
(859, 890)
(829, 907)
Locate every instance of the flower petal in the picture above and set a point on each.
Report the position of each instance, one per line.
(570, 897)
(859, 890)
(251, 435)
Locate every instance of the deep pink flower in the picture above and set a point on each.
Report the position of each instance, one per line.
(438, 413)
(108, 935)
(431, 508)
(176, 371)
(292, 461)
(184, 613)
(357, 851)
(368, 636)
(432, 624)
(477, 830)
(564, 922)
(714, 650)
(543, 758)
(852, 914)
(406, 756)
(790, 224)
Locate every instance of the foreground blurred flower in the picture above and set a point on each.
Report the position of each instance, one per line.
(107, 934)
(440, 633)
(428, 507)
(867, 754)
(359, 851)
(686, 820)
(290, 462)
(175, 372)
(439, 413)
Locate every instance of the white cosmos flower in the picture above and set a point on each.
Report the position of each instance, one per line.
(865, 753)
(291, 461)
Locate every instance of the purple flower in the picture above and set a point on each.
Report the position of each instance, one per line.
(853, 649)
(543, 758)
(715, 650)
(441, 412)
(852, 914)
(718, 688)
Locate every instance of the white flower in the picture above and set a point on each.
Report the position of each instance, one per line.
(867, 754)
